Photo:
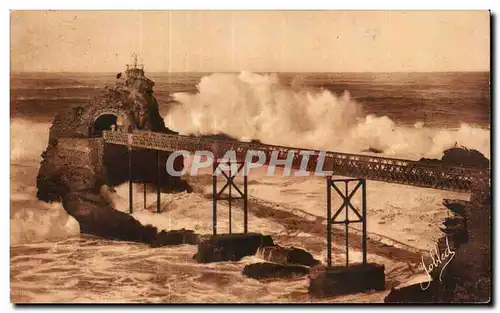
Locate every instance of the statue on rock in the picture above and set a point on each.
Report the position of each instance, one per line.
(77, 163)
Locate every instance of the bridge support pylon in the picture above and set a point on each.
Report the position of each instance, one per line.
(351, 277)
(230, 246)
(217, 195)
(158, 181)
(346, 195)
(130, 182)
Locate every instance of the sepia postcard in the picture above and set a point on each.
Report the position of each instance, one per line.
(250, 157)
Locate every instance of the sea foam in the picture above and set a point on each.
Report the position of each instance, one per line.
(250, 106)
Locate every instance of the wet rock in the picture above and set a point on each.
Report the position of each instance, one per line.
(229, 247)
(373, 150)
(97, 217)
(454, 221)
(287, 255)
(265, 270)
(456, 206)
(175, 237)
(430, 161)
(415, 294)
(77, 162)
(467, 276)
(460, 156)
(456, 226)
(465, 157)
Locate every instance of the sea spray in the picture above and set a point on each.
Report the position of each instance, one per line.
(254, 106)
(32, 220)
(37, 221)
(28, 141)
(246, 106)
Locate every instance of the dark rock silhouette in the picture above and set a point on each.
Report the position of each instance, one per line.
(77, 163)
(415, 294)
(460, 156)
(467, 277)
(175, 237)
(465, 157)
(230, 247)
(457, 207)
(373, 150)
(266, 270)
(285, 255)
(96, 217)
(283, 262)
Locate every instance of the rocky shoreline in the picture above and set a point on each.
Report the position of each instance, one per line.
(467, 276)
(76, 163)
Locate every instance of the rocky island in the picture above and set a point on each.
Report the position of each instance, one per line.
(77, 164)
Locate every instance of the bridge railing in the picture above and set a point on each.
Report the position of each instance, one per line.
(343, 164)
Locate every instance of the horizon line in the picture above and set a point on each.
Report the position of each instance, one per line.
(240, 71)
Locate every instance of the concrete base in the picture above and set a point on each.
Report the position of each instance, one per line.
(266, 270)
(229, 247)
(338, 280)
(174, 237)
(286, 255)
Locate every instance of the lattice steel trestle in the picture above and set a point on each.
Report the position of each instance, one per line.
(390, 170)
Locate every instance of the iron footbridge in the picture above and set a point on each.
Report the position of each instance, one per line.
(391, 170)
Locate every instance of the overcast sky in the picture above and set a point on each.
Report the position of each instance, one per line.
(321, 41)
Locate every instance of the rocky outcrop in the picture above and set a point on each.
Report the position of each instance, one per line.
(76, 162)
(460, 156)
(97, 217)
(467, 277)
(229, 247)
(286, 255)
(267, 270)
(175, 237)
(284, 262)
(466, 233)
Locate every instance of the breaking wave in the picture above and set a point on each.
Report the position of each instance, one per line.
(28, 140)
(32, 220)
(250, 106)
(245, 106)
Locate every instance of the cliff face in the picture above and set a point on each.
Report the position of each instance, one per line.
(77, 163)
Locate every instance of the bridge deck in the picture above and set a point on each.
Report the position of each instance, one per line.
(390, 170)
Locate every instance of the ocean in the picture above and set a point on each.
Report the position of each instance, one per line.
(405, 115)
(437, 99)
